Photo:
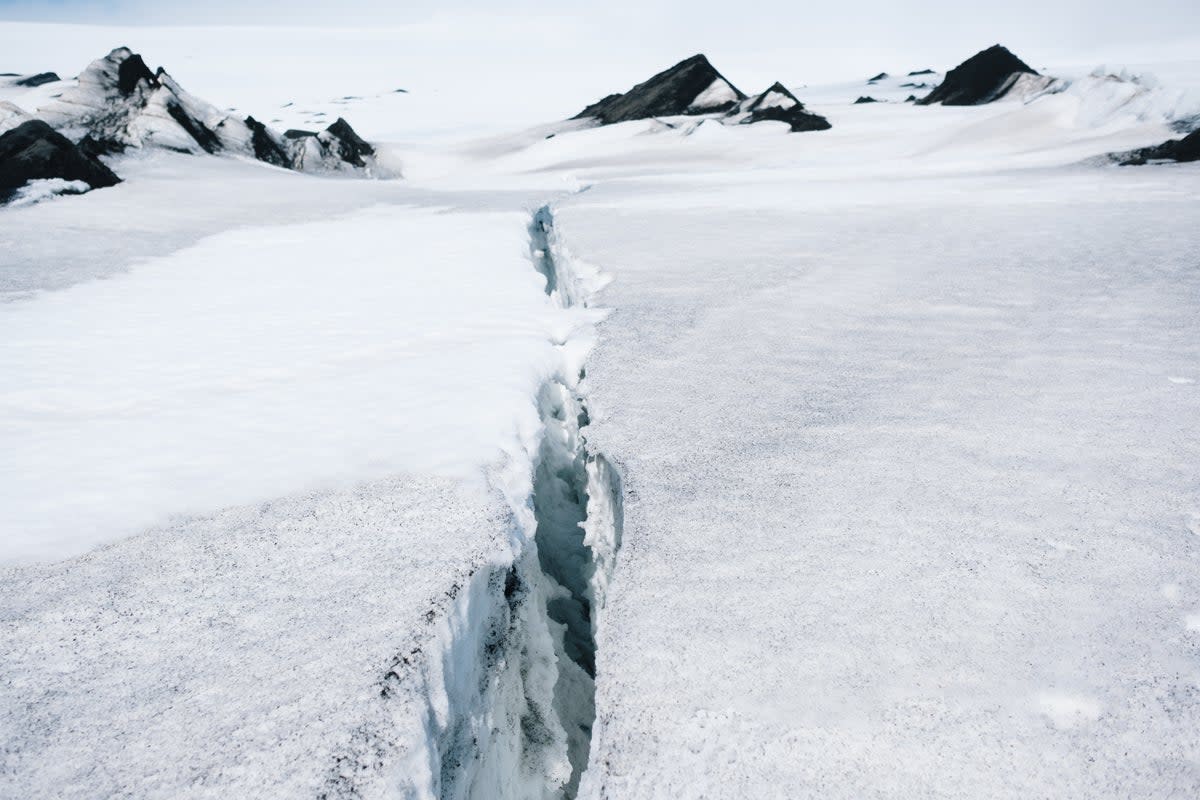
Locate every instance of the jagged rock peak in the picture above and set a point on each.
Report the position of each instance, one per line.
(693, 86)
(35, 151)
(778, 104)
(982, 78)
(776, 96)
(351, 147)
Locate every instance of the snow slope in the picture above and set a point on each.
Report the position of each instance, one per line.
(227, 350)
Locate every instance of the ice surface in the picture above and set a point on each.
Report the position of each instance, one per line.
(905, 470)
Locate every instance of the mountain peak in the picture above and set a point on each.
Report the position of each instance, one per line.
(693, 86)
(982, 78)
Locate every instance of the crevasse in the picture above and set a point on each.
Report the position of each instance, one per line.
(509, 702)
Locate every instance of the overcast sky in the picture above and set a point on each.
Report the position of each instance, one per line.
(1054, 26)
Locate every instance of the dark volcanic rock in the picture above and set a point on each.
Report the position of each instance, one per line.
(912, 98)
(865, 99)
(295, 133)
(35, 151)
(777, 104)
(266, 147)
(131, 72)
(38, 80)
(916, 72)
(982, 78)
(1185, 149)
(880, 77)
(349, 146)
(692, 86)
(207, 140)
(94, 148)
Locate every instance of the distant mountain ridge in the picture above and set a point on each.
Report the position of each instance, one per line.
(118, 104)
(694, 87)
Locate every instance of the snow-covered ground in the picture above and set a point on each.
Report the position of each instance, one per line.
(912, 501)
(893, 424)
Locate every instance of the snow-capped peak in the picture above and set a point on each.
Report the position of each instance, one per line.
(119, 103)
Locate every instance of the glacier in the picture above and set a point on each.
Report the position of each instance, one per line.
(660, 458)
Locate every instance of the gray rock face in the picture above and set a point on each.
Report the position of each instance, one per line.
(982, 78)
(693, 86)
(35, 151)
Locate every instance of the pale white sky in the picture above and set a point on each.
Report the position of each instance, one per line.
(1051, 26)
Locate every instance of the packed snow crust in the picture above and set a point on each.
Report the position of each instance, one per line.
(899, 519)
(243, 653)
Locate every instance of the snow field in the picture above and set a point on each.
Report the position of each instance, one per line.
(906, 472)
(264, 360)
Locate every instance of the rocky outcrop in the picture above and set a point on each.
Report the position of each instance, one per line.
(338, 142)
(341, 140)
(982, 78)
(1185, 149)
(864, 100)
(777, 104)
(35, 151)
(693, 86)
(883, 76)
